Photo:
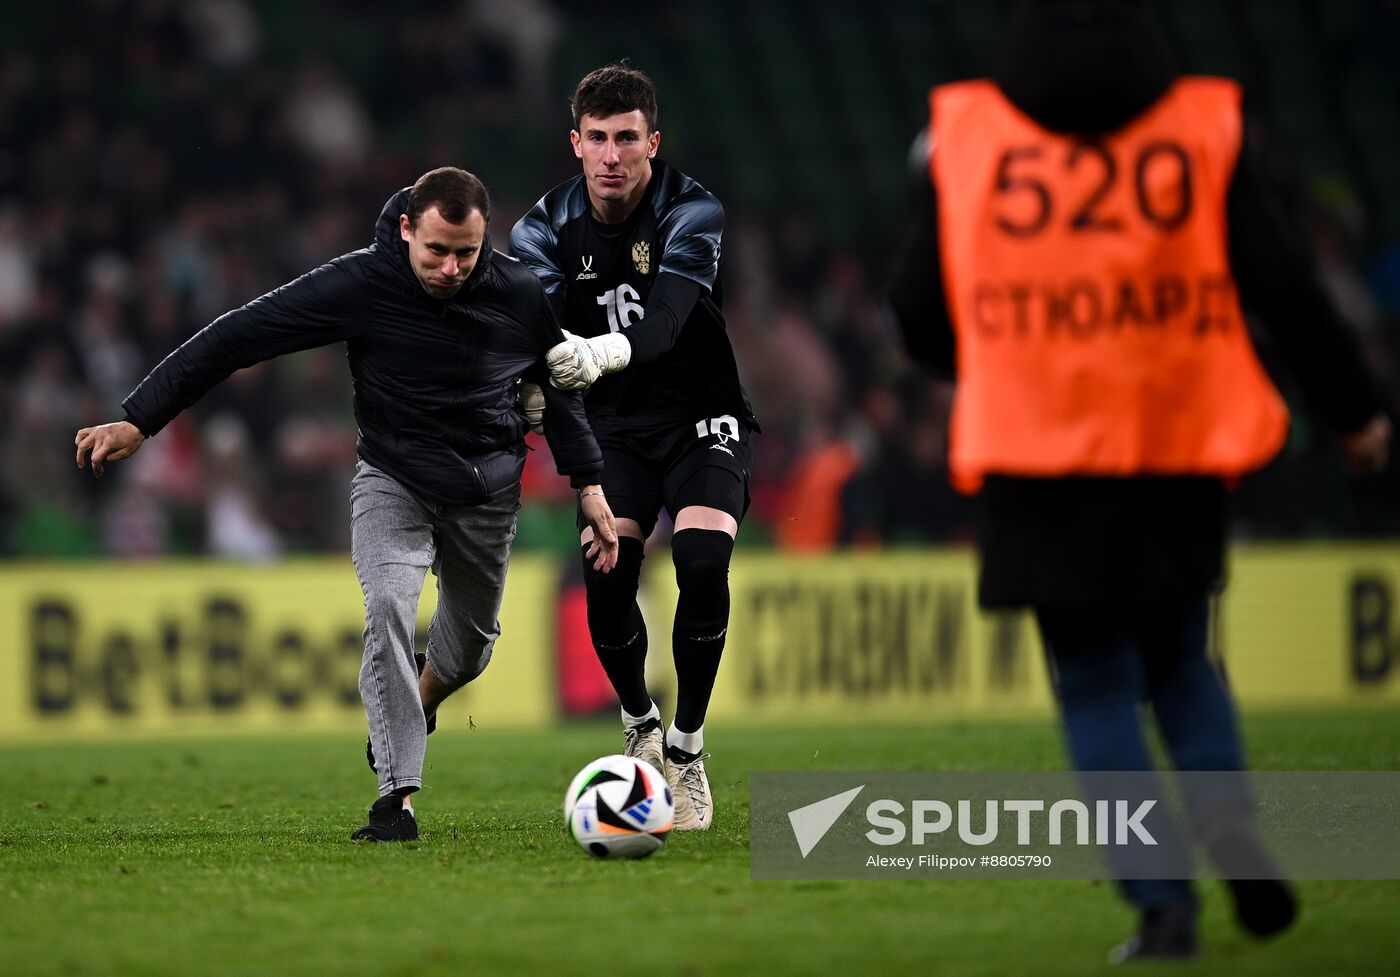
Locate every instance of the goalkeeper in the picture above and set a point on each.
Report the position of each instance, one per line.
(628, 253)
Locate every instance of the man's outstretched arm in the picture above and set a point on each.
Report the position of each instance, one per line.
(319, 308)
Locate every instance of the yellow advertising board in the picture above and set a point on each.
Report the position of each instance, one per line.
(110, 650)
(1313, 624)
(203, 647)
(866, 637)
(897, 636)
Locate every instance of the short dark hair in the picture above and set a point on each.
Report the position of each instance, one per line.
(614, 89)
(453, 191)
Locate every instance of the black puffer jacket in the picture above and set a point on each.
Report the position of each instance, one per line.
(435, 381)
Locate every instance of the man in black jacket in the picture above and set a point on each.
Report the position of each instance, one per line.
(439, 329)
(1118, 562)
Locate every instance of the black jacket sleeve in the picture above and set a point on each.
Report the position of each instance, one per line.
(1277, 279)
(576, 452)
(916, 285)
(571, 441)
(321, 307)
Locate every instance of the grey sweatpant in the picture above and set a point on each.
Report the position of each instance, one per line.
(395, 537)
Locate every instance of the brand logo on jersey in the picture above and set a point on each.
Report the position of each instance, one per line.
(641, 257)
(588, 274)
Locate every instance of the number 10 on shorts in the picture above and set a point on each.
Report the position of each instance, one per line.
(724, 426)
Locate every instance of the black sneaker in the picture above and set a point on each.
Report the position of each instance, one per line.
(389, 820)
(1263, 907)
(1166, 933)
(419, 660)
(1264, 902)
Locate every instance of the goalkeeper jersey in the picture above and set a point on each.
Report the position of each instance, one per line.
(599, 278)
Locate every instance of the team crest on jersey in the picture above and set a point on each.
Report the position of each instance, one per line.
(641, 257)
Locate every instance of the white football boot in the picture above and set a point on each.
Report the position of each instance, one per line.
(690, 791)
(644, 741)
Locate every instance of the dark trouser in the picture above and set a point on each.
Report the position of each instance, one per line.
(1104, 665)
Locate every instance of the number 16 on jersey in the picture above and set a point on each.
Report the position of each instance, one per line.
(622, 305)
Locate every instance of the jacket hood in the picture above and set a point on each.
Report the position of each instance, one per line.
(389, 244)
(1084, 66)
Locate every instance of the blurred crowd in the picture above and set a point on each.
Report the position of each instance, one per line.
(162, 162)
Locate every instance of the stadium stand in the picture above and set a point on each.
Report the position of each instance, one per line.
(161, 162)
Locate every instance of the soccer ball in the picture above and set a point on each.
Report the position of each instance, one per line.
(619, 807)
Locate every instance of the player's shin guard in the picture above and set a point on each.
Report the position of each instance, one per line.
(702, 619)
(616, 625)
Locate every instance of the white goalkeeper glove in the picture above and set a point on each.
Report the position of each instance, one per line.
(532, 403)
(577, 363)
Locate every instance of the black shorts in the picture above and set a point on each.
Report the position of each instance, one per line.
(706, 463)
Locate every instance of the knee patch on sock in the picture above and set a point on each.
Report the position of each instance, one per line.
(613, 619)
(702, 559)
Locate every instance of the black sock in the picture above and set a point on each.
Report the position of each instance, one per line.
(616, 626)
(702, 619)
(676, 755)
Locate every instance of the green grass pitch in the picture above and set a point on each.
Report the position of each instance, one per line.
(231, 856)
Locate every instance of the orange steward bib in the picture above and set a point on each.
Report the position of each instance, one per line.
(1098, 330)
